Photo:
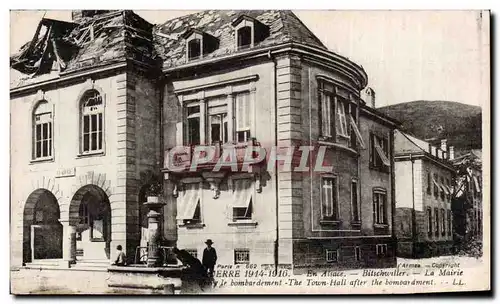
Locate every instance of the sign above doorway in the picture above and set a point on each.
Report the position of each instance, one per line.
(66, 172)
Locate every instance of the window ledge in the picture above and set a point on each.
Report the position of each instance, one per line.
(338, 146)
(243, 223)
(91, 154)
(332, 261)
(329, 222)
(384, 169)
(42, 160)
(381, 225)
(192, 226)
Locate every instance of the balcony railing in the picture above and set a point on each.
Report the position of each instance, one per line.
(166, 255)
(205, 157)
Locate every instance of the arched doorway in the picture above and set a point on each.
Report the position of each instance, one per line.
(42, 231)
(90, 213)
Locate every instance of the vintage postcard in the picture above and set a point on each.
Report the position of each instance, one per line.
(249, 152)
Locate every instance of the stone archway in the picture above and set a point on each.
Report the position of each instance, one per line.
(90, 214)
(42, 231)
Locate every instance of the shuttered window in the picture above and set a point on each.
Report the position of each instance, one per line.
(42, 131)
(92, 122)
(243, 117)
(329, 198)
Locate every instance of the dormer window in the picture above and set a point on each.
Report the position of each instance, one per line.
(249, 32)
(194, 49)
(244, 35)
(199, 44)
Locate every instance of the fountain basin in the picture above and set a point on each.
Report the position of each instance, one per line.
(165, 278)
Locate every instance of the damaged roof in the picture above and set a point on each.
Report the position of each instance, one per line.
(92, 42)
(472, 157)
(284, 26)
(117, 36)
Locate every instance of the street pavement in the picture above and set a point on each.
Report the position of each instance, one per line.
(63, 282)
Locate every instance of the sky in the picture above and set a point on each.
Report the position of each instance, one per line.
(408, 55)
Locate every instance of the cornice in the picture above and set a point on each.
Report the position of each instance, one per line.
(78, 75)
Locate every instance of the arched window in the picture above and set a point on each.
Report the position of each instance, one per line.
(42, 131)
(194, 49)
(92, 119)
(244, 37)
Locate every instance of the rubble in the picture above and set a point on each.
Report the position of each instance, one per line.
(93, 41)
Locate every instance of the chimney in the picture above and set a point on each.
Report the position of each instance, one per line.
(369, 97)
(77, 15)
(443, 144)
(452, 153)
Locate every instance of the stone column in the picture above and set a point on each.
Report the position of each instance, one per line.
(155, 235)
(230, 115)
(203, 122)
(253, 109)
(69, 243)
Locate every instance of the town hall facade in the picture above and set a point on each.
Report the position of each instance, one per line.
(108, 96)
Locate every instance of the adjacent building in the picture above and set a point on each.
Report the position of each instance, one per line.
(424, 192)
(467, 205)
(108, 96)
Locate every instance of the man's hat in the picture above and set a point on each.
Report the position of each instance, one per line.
(209, 242)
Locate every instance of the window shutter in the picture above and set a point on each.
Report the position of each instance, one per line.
(51, 130)
(372, 149)
(243, 119)
(242, 193)
(335, 203)
(357, 133)
(239, 113)
(186, 206)
(384, 208)
(245, 111)
(428, 182)
(333, 104)
(382, 154)
(320, 114)
(386, 147)
(103, 127)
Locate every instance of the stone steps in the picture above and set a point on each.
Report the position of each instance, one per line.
(83, 265)
(91, 265)
(45, 263)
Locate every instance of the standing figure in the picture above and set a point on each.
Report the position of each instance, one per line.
(209, 258)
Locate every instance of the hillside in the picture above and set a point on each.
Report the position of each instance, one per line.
(432, 121)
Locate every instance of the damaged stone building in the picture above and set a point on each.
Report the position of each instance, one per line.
(467, 205)
(107, 95)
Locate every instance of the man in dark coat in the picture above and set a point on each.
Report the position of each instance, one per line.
(209, 258)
